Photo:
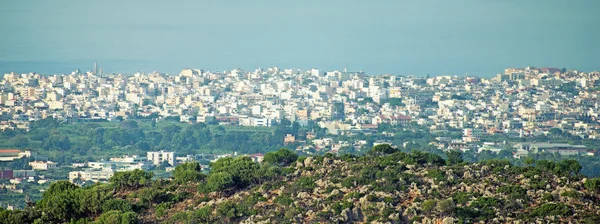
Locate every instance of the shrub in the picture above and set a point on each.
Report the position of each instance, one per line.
(186, 172)
(571, 194)
(514, 191)
(428, 205)
(593, 184)
(230, 210)
(161, 209)
(284, 200)
(116, 204)
(131, 180)
(552, 209)
(446, 206)
(203, 214)
(305, 183)
(112, 217)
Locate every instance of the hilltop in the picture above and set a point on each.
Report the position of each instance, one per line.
(384, 186)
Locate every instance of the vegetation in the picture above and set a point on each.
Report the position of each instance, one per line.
(384, 186)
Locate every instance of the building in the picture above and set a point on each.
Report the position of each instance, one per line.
(159, 157)
(12, 154)
(89, 174)
(23, 173)
(129, 159)
(560, 148)
(6, 174)
(41, 165)
(258, 157)
(289, 138)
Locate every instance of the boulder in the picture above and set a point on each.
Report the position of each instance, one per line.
(346, 215)
(448, 220)
(308, 161)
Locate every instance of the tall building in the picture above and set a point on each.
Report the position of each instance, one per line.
(158, 157)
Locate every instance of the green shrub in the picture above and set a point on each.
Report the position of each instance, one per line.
(305, 183)
(161, 209)
(552, 209)
(593, 184)
(114, 217)
(116, 204)
(571, 194)
(428, 205)
(284, 200)
(203, 214)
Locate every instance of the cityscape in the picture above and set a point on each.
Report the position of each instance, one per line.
(519, 103)
(260, 112)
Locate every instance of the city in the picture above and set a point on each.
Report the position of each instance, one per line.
(484, 115)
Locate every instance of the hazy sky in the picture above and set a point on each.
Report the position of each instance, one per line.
(479, 37)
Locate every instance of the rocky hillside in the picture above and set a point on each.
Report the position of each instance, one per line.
(388, 190)
(382, 187)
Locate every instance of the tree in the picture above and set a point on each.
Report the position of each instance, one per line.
(454, 157)
(91, 200)
(383, 149)
(528, 161)
(186, 172)
(129, 124)
(56, 142)
(556, 131)
(60, 202)
(568, 166)
(130, 180)
(220, 181)
(281, 157)
(242, 169)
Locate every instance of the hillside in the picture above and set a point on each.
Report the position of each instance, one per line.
(384, 186)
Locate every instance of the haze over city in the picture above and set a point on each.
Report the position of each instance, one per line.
(399, 37)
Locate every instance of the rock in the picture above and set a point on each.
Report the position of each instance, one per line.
(467, 175)
(448, 220)
(357, 214)
(364, 189)
(426, 220)
(485, 169)
(306, 173)
(346, 215)
(303, 195)
(380, 206)
(310, 214)
(321, 183)
(363, 201)
(334, 192)
(308, 161)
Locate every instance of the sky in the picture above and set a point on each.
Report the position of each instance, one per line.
(474, 37)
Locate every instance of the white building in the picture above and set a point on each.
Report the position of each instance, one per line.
(158, 157)
(91, 175)
(41, 165)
